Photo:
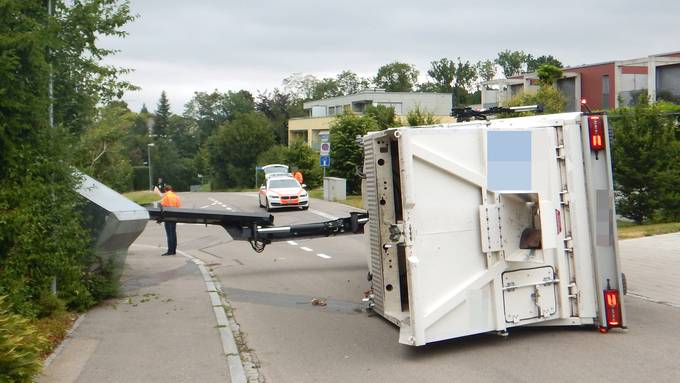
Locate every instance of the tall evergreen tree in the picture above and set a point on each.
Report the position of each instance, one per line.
(161, 126)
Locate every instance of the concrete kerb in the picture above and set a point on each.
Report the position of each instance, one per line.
(67, 339)
(234, 362)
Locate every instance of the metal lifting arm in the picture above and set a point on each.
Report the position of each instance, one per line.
(258, 228)
(467, 113)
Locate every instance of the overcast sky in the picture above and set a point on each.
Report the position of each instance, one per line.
(185, 46)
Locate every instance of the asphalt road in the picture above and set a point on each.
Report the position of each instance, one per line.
(296, 341)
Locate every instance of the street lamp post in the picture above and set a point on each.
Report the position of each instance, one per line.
(149, 124)
(148, 153)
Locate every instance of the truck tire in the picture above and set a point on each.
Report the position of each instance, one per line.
(624, 284)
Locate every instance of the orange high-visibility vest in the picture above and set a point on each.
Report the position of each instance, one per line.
(171, 199)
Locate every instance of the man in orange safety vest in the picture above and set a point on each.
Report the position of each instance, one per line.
(170, 199)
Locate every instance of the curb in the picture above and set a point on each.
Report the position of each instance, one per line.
(67, 339)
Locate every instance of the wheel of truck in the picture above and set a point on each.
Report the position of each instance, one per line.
(624, 283)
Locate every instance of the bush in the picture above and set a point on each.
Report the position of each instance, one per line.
(346, 155)
(419, 117)
(299, 157)
(20, 346)
(646, 157)
(549, 97)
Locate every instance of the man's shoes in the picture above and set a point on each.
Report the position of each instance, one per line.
(172, 253)
(164, 254)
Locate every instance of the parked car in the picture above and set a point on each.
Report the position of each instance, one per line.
(283, 191)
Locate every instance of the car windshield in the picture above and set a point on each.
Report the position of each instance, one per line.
(284, 183)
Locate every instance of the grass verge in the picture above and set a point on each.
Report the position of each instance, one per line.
(54, 329)
(352, 200)
(142, 197)
(628, 230)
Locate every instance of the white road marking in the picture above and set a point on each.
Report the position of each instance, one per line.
(324, 256)
(306, 248)
(206, 206)
(322, 214)
(292, 243)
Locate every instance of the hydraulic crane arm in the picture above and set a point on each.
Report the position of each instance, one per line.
(258, 228)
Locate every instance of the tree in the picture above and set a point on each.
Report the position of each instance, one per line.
(325, 88)
(486, 70)
(396, 77)
(443, 72)
(279, 107)
(43, 235)
(646, 154)
(382, 115)
(299, 156)
(300, 86)
(237, 102)
(534, 63)
(234, 148)
(81, 80)
(349, 83)
(102, 151)
(548, 74)
(345, 152)
(208, 112)
(511, 62)
(162, 117)
(420, 117)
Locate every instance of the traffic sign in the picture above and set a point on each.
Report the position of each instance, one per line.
(325, 148)
(325, 161)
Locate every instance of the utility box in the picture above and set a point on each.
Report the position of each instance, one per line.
(115, 221)
(334, 189)
(487, 225)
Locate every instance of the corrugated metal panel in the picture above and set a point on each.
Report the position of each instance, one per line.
(374, 224)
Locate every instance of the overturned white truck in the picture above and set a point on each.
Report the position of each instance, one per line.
(483, 226)
(477, 227)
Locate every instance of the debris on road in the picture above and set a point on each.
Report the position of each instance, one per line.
(319, 302)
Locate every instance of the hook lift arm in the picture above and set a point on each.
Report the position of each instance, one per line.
(258, 228)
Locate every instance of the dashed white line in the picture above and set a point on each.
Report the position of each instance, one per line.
(292, 243)
(324, 256)
(305, 248)
(206, 206)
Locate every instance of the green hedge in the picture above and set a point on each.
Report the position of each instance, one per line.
(140, 178)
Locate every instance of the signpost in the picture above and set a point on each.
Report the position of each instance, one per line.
(325, 156)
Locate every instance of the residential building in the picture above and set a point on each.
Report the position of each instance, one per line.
(314, 128)
(603, 85)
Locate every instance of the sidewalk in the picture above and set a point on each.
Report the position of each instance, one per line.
(164, 330)
(652, 267)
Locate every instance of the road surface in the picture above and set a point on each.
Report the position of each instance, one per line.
(296, 341)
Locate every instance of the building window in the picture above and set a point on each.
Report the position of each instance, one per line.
(605, 92)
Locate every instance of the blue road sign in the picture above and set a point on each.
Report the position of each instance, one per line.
(325, 161)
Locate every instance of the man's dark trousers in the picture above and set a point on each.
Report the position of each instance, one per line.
(171, 234)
